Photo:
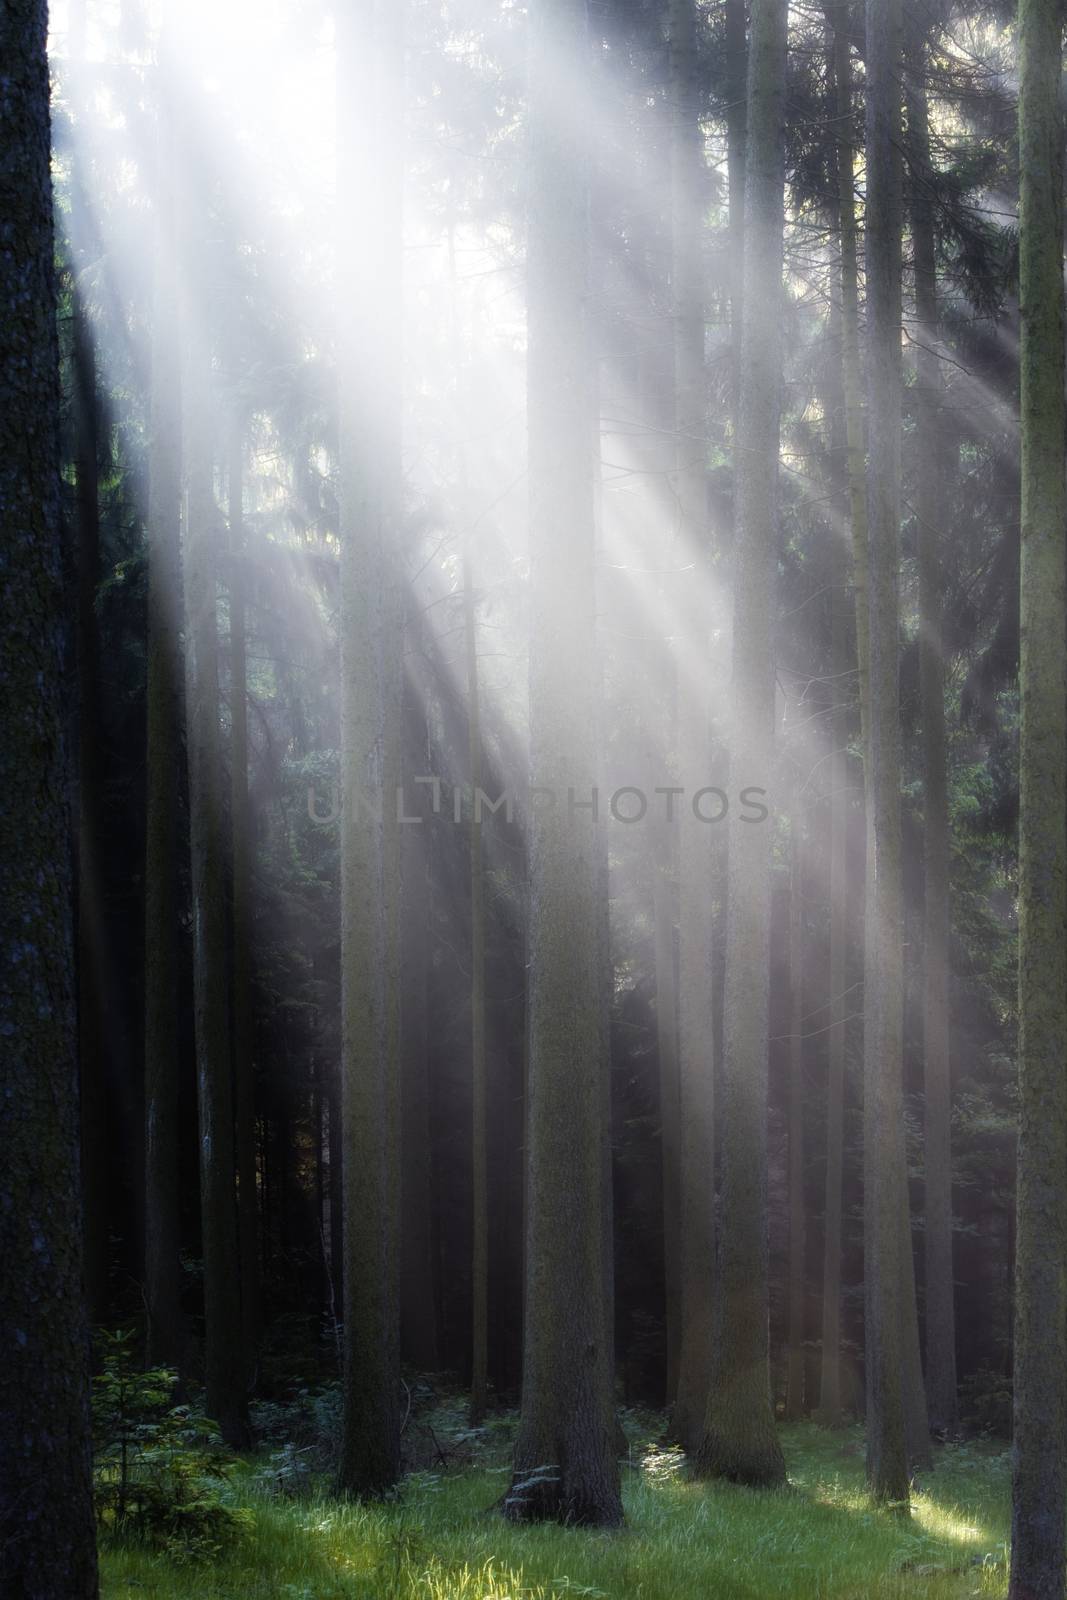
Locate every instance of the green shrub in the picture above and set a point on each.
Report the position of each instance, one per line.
(160, 1470)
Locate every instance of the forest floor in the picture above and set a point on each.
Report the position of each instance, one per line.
(442, 1539)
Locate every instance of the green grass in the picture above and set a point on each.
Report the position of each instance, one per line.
(819, 1539)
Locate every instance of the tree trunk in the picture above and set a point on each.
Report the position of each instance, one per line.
(696, 1029)
(166, 1338)
(243, 1066)
(794, 1397)
(564, 1464)
(847, 450)
(1039, 1491)
(940, 1296)
(47, 1535)
(370, 56)
(663, 903)
(479, 1086)
(223, 1342)
(884, 1264)
(418, 1304)
(89, 919)
(740, 1441)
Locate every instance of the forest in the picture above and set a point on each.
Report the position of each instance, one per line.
(533, 800)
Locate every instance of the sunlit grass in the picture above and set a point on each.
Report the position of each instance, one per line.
(817, 1539)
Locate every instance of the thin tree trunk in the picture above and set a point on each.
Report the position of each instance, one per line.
(794, 1399)
(244, 1080)
(479, 1086)
(418, 1303)
(1039, 1489)
(663, 904)
(165, 1343)
(740, 1440)
(223, 1342)
(564, 1466)
(846, 449)
(940, 1296)
(47, 1535)
(696, 1031)
(369, 77)
(884, 1264)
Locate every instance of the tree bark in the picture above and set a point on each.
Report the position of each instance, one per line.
(223, 1341)
(564, 1465)
(47, 1535)
(370, 60)
(166, 1336)
(479, 1086)
(740, 1440)
(1039, 1489)
(940, 1297)
(884, 1264)
(850, 500)
(243, 1063)
(696, 1031)
(794, 1396)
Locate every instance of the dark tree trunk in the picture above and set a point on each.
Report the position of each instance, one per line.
(794, 1397)
(224, 1363)
(243, 1065)
(47, 1537)
(165, 1328)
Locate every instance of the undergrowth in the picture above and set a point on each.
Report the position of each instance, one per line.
(442, 1539)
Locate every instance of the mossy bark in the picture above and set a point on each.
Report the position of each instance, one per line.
(564, 1464)
(1039, 1484)
(47, 1534)
(740, 1441)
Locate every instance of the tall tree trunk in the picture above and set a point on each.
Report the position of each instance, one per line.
(794, 1397)
(89, 920)
(663, 911)
(479, 1086)
(564, 1464)
(1039, 1489)
(696, 1042)
(223, 1342)
(884, 1263)
(47, 1535)
(418, 1302)
(243, 1066)
(847, 448)
(166, 1337)
(740, 1441)
(940, 1296)
(370, 60)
